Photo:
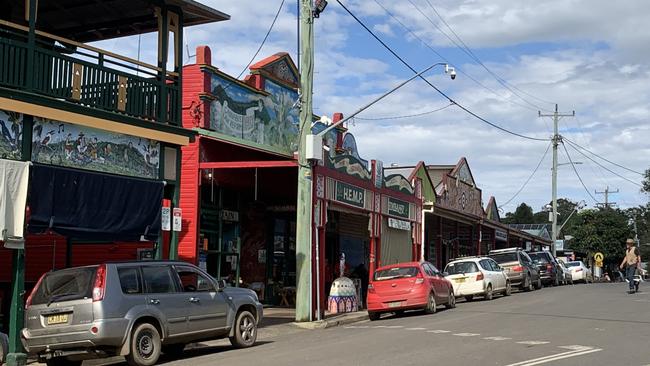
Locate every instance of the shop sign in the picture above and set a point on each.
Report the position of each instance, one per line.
(166, 218)
(228, 215)
(559, 245)
(178, 219)
(399, 224)
(398, 208)
(501, 235)
(379, 174)
(350, 194)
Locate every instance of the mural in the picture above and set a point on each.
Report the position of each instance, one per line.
(399, 183)
(269, 120)
(74, 146)
(11, 125)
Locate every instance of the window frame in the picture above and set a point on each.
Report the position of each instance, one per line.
(172, 278)
(186, 268)
(139, 279)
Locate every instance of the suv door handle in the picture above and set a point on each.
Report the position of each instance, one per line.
(154, 301)
(195, 300)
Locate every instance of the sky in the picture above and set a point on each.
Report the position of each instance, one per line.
(588, 56)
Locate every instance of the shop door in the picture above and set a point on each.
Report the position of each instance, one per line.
(282, 271)
(396, 245)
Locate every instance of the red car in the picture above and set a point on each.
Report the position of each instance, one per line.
(407, 286)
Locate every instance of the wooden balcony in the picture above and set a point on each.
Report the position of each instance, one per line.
(65, 70)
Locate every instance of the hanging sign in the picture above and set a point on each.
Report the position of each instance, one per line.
(166, 219)
(398, 208)
(228, 215)
(350, 194)
(399, 224)
(501, 235)
(178, 219)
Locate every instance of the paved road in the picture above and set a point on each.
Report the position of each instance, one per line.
(596, 324)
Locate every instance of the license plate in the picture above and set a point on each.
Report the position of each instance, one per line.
(57, 319)
(394, 304)
(459, 280)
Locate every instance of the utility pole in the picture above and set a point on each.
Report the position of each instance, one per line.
(607, 192)
(304, 203)
(557, 139)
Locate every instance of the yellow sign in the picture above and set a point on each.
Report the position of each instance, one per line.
(599, 263)
(599, 257)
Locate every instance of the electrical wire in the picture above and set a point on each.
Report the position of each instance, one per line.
(469, 53)
(605, 159)
(598, 171)
(529, 178)
(597, 163)
(578, 175)
(432, 49)
(430, 84)
(404, 116)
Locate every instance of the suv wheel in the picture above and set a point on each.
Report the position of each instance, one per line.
(245, 330)
(145, 346)
(538, 285)
(508, 290)
(528, 284)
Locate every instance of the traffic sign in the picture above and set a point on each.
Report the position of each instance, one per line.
(599, 257)
(599, 263)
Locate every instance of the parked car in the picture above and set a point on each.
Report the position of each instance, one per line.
(580, 272)
(519, 268)
(408, 286)
(133, 309)
(477, 276)
(549, 269)
(568, 277)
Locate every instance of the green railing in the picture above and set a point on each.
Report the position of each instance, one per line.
(79, 74)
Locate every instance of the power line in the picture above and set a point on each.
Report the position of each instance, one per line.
(430, 84)
(573, 145)
(263, 41)
(609, 161)
(469, 53)
(529, 178)
(404, 116)
(415, 35)
(578, 175)
(581, 131)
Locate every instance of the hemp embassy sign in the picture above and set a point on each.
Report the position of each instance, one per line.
(350, 194)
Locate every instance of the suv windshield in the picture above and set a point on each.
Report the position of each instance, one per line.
(461, 267)
(505, 257)
(396, 272)
(573, 264)
(539, 257)
(67, 284)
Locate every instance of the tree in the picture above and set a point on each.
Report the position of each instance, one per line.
(522, 215)
(646, 182)
(601, 230)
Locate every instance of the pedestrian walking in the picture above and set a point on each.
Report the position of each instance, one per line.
(631, 262)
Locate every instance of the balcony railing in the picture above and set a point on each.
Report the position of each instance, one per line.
(85, 75)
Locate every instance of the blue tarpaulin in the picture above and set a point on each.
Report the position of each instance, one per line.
(94, 206)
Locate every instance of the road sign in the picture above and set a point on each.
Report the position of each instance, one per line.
(166, 219)
(177, 221)
(599, 257)
(599, 263)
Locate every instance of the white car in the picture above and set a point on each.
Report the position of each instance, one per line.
(477, 276)
(579, 272)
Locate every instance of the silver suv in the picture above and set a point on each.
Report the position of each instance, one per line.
(134, 309)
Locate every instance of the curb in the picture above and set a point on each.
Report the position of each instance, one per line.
(335, 322)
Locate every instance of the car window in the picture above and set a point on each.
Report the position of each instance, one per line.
(495, 266)
(130, 280)
(158, 279)
(539, 257)
(396, 272)
(485, 264)
(505, 257)
(461, 267)
(573, 264)
(427, 269)
(68, 284)
(194, 281)
(525, 258)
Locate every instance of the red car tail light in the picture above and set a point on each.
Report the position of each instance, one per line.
(31, 294)
(579, 270)
(480, 276)
(99, 288)
(518, 268)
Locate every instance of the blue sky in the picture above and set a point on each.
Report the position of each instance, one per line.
(590, 56)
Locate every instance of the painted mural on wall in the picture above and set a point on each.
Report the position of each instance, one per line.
(11, 126)
(267, 120)
(82, 147)
(460, 196)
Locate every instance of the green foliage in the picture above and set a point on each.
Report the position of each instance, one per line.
(522, 215)
(646, 182)
(601, 230)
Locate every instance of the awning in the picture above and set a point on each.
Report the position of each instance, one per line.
(94, 206)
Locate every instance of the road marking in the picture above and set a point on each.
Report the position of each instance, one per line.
(497, 338)
(380, 326)
(558, 356)
(438, 331)
(533, 343)
(466, 334)
(416, 328)
(394, 326)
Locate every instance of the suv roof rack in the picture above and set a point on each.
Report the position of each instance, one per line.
(506, 250)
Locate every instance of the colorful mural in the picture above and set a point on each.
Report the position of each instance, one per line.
(74, 146)
(11, 125)
(270, 120)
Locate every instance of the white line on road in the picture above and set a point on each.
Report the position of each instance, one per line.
(394, 326)
(438, 331)
(466, 334)
(533, 343)
(556, 357)
(415, 328)
(497, 338)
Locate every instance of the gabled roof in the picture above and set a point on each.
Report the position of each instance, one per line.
(462, 171)
(437, 172)
(278, 67)
(540, 230)
(492, 210)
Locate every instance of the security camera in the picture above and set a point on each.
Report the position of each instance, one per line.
(451, 71)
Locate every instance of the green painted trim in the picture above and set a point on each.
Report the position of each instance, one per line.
(242, 142)
(158, 255)
(173, 241)
(28, 97)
